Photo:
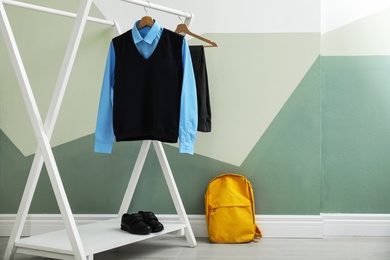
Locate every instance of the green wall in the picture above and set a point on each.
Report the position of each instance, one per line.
(355, 136)
(283, 168)
(326, 147)
(303, 164)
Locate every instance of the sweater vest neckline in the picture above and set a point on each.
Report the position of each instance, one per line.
(139, 53)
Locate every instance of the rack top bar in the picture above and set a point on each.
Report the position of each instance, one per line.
(159, 8)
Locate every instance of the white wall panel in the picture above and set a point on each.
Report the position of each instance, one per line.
(246, 16)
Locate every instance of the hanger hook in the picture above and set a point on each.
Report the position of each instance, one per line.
(180, 19)
(146, 10)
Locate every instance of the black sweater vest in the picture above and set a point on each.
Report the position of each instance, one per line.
(147, 92)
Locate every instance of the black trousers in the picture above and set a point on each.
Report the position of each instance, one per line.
(202, 88)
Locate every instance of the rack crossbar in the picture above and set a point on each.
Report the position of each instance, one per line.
(55, 11)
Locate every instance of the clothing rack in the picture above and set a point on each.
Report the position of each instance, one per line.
(74, 242)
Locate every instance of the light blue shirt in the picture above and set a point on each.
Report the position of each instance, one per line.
(146, 40)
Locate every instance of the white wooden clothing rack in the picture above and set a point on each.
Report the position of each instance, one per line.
(77, 242)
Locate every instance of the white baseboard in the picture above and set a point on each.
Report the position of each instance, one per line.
(272, 226)
(290, 226)
(356, 224)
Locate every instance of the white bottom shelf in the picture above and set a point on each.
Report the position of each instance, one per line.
(96, 237)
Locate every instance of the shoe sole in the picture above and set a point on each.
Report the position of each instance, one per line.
(135, 233)
(158, 230)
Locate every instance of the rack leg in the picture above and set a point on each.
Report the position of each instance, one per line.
(24, 206)
(174, 192)
(134, 177)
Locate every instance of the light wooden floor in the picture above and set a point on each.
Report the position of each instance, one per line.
(168, 248)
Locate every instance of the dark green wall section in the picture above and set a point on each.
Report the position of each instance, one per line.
(356, 134)
(14, 169)
(328, 150)
(95, 183)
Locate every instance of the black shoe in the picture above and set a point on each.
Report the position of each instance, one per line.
(135, 224)
(152, 221)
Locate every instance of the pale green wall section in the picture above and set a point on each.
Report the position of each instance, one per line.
(367, 36)
(42, 40)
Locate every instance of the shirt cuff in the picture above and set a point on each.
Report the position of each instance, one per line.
(187, 148)
(103, 148)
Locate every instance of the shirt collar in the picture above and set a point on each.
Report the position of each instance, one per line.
(150, 36)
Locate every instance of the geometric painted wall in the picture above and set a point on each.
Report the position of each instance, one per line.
(304, 120)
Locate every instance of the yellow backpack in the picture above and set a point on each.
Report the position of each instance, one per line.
(230, 210)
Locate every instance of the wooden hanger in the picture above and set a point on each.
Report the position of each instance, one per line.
(183, 28)
(145, 21)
